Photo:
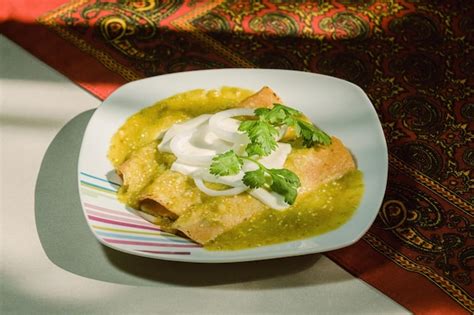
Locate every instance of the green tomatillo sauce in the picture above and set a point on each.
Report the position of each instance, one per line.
(318, 212)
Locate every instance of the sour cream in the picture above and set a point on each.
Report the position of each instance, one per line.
(196, 141)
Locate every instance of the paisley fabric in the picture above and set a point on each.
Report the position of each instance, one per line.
(415, 60)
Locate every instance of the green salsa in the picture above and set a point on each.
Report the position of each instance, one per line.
(144, 126)
(318, 212)
(315, 212)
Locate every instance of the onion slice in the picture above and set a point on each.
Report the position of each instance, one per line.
(277, 158)
(197, 141)
(180, 127)
(227, 128)
(230, 180)
(186, 169)
(212, 192)
(271, 199)
(185, 152)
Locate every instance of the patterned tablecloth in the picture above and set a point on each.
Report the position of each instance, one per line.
(414, 58)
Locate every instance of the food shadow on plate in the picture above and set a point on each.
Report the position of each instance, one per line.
(114, 180)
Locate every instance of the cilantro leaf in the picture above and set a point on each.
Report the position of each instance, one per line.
(288, 110)
(311, 134)
(262, 137)
(282, 181)
(255, 179)
(285, 183)
(262, 132)
(261, 111)
(275, 116)
(285, 174)
(227, 163)
(278, 115)
(246, 125)
(253, 149)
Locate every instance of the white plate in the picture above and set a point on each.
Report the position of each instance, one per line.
(337, 106)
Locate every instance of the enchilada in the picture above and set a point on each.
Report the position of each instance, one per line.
(172, 199)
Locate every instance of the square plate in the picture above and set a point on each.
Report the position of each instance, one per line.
(340, 108)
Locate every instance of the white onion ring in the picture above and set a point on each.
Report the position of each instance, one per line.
(180, 127)
(278, 157)
(180, 142)
(197, 141)
(205, 138)
(186, 169)
(227, 128)
(212, 192)
(230, 180)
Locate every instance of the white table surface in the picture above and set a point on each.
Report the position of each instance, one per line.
(36, 102)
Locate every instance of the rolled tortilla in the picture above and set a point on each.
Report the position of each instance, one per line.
(266, 97)
(168, 197)
(320, 164)
(314, 166)
(138, 170)
(204, 222)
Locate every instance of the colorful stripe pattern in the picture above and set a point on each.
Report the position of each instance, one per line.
(118, 227)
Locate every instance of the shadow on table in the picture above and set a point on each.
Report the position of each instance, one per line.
(69, 243)
(191, 274)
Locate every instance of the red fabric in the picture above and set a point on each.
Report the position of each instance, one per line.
(19, 23)
(414, 59)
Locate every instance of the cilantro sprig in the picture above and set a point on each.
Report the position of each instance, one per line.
(263, 132)
(262, 136)
(282, 181)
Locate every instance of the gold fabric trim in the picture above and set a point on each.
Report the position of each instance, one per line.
(184, 23)
(432, 185)
(456, 293)
(108, 61)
